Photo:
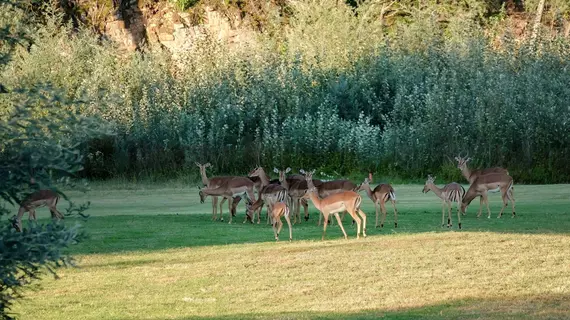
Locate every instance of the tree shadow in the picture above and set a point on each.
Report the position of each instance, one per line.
(522, 307)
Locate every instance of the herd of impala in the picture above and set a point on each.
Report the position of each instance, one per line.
(328, 197)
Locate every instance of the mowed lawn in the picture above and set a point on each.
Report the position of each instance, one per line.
(154, 253)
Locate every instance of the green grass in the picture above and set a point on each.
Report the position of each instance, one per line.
(154, 253)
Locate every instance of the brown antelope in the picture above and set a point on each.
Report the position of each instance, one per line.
(213, 183)
(452, 192)
(236, 186)
(328, 188)
(269, 194)
(382, 193)
(296, 189)
(38, 199)
(471, 176)
(280, 209)
(343, 201)
(491, 182)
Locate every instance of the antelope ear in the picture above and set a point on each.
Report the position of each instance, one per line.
(287, 170)
(302, 171)
(434, 178)
(429, 176)
(457, 159)
(197, 164)
(313, 172)
(468, 159)
(275, 170)
(207, 165)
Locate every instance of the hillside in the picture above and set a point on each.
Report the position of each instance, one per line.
(177, 24)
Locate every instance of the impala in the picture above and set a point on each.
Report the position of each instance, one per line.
(280, 209)
(471, 176)
(339, 202)
(269, 194)
(237, 186)
(331, 187)
(492, 182)
(379, 196)
(38, 199)
(452, 192)
(296, 189)
(213, 183)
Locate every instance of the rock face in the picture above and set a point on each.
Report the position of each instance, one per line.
(163, 25)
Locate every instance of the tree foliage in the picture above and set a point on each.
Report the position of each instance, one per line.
(395, 87)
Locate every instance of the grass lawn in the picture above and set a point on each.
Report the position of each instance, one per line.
(154, 253)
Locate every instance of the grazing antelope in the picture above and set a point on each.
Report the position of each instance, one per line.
(38, 199)
(492, 182)
(280, 209)
(379, 196)
(471, 176)
(236, 186)
(343, 201)
(452, 192)
(213, 183)
(269, 193)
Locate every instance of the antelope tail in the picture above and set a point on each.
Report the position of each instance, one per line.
(358, 202)
(393, 194)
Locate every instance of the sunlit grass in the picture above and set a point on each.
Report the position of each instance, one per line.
(148, 258)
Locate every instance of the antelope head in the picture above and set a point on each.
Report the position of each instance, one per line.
(430, 180)
(255, 172)
(282, 173)
(462, 162)
(364, 185)
(202, 196)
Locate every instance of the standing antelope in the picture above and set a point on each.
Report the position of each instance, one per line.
(328, 188)
(296, 189)
(213, 183)
(269, 194)
(236, 186)
(38, 199)
(280, 209)
(492, 182)
(471, 176)
(452, 192)
(343, 201)
(379, 196)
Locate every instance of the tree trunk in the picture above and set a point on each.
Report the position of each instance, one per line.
(537, 19)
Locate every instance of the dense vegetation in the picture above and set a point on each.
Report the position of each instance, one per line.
(341, 88)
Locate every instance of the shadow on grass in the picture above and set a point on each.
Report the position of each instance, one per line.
(108, 234)
(531, 307)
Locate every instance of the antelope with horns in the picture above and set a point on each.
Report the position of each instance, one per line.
(472, 175)
(237, 186)
(213, 183)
